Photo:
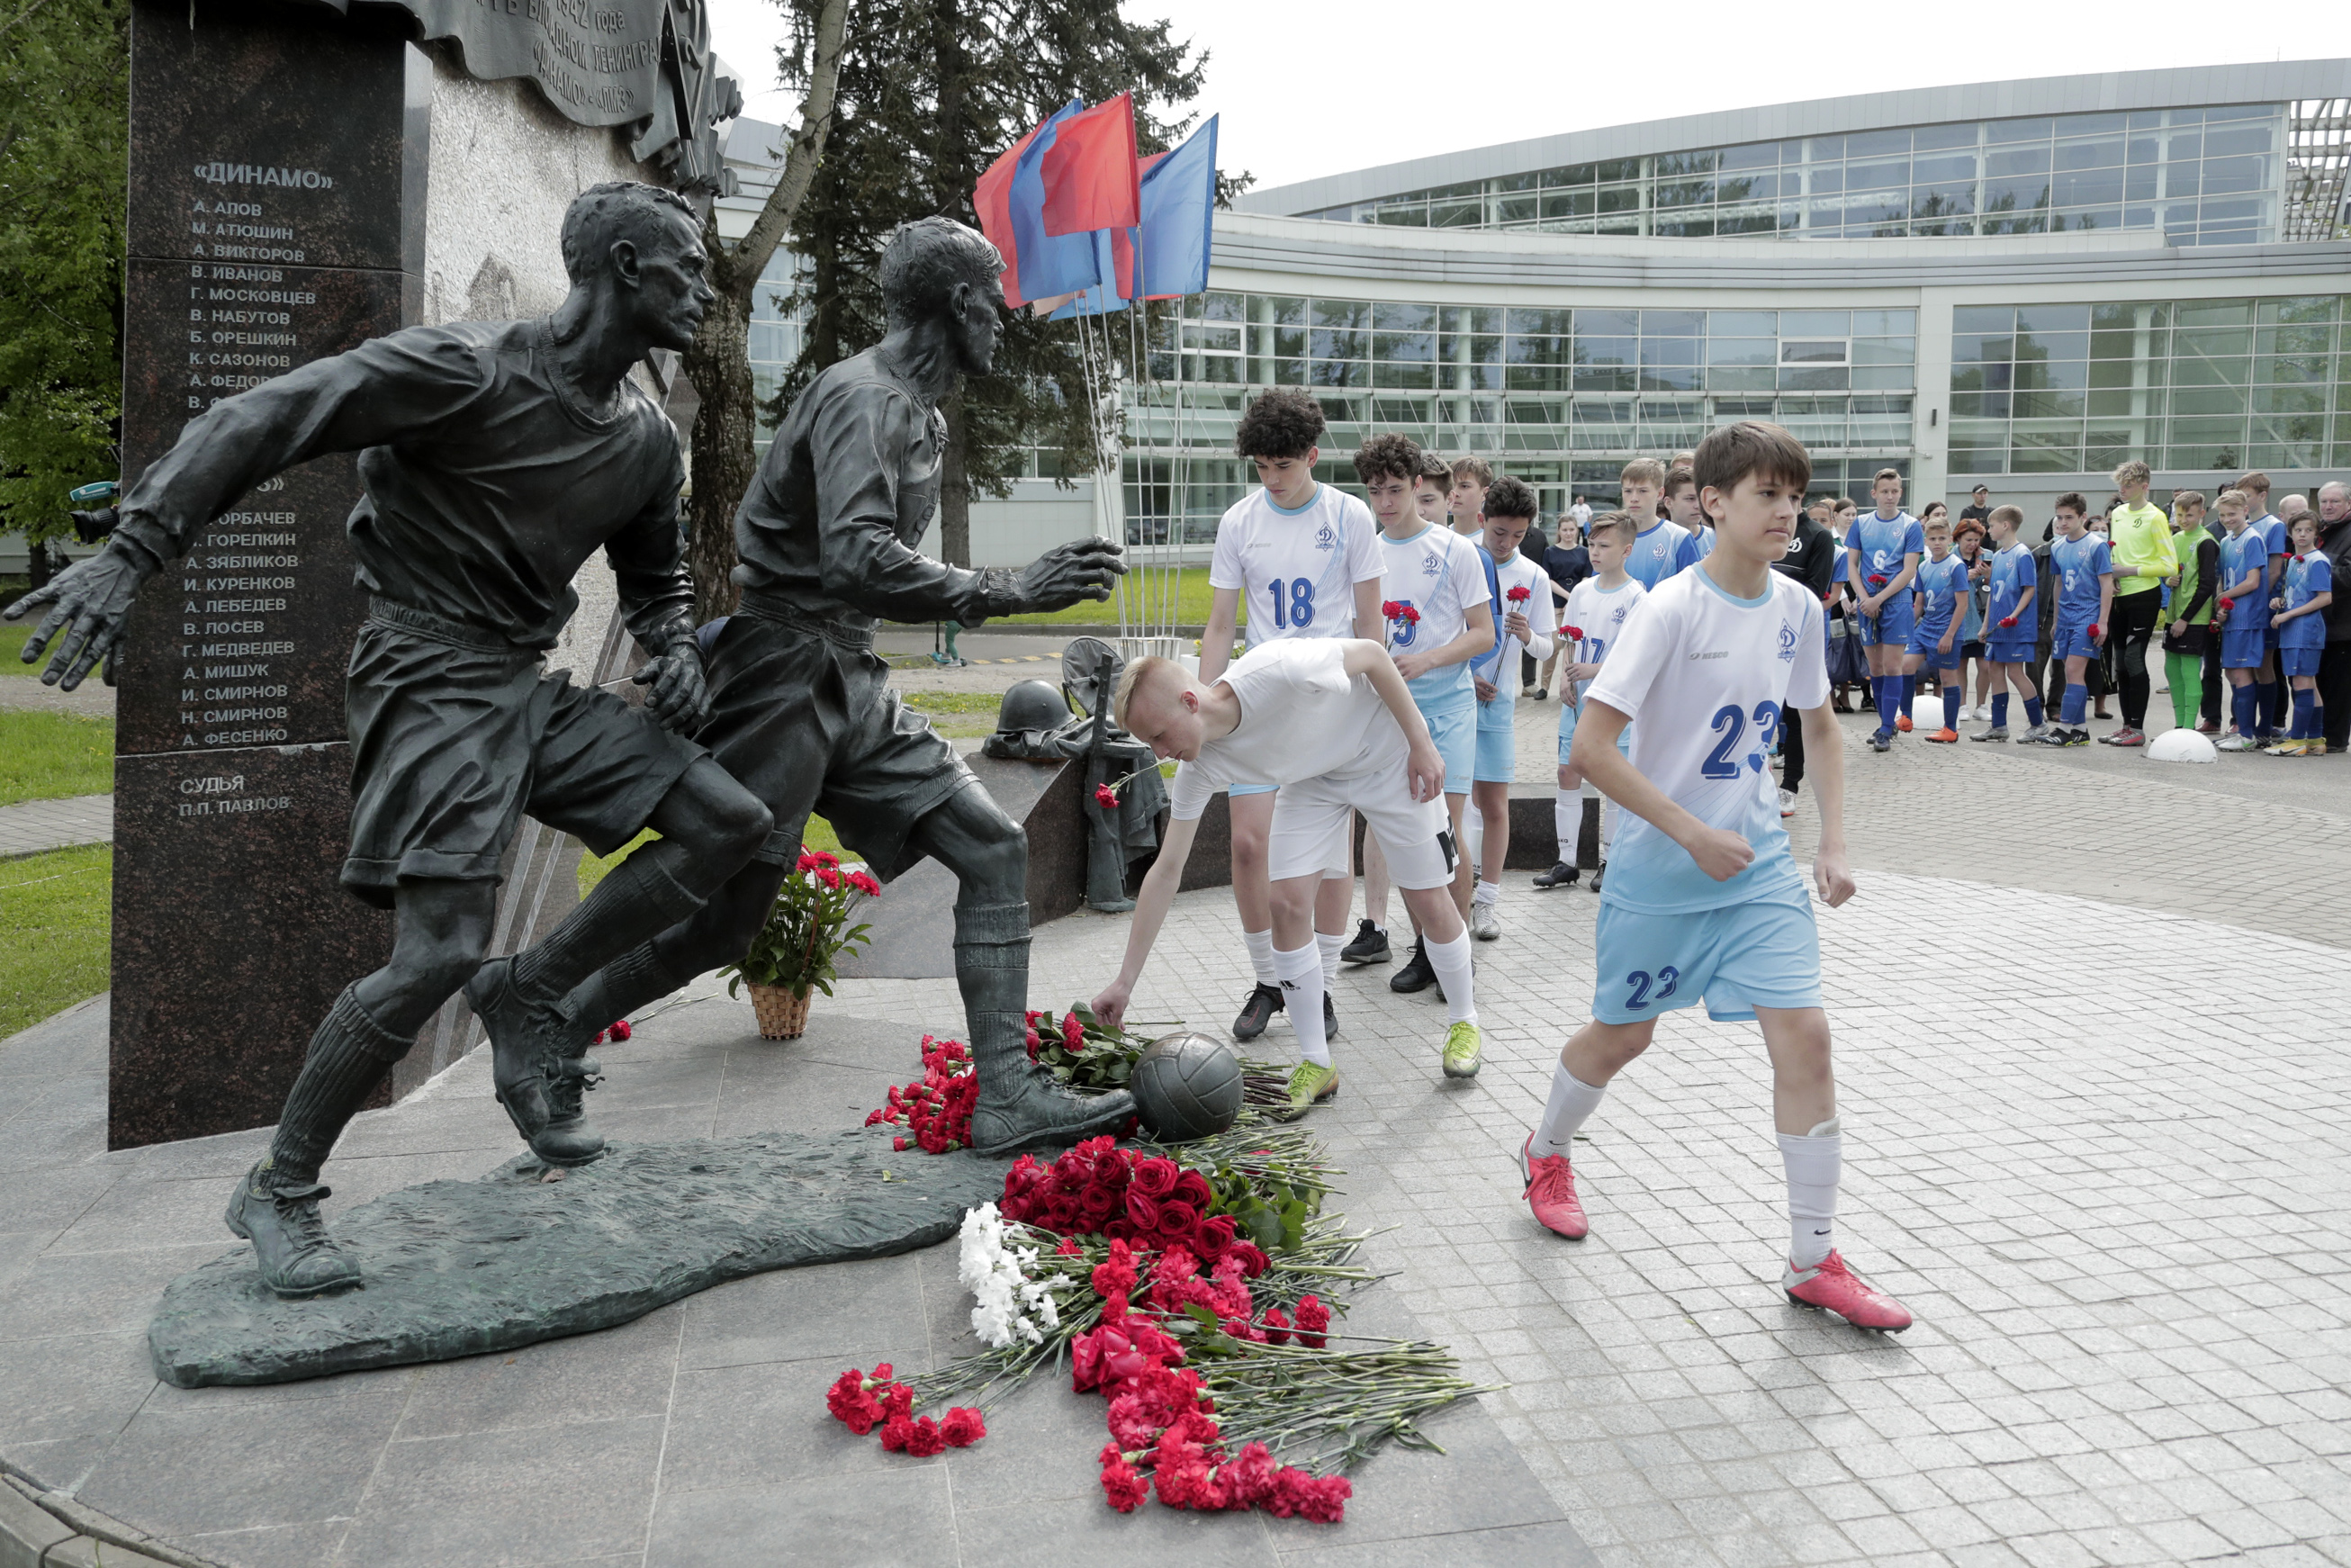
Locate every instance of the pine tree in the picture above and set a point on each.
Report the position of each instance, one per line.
(931, 91)
(65, 74)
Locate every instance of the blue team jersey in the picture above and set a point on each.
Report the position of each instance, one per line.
(1697, 545)
(2242, 555)
(1656, 553)
(2272, 528)
(2011, 575)
(2306, 577)
(1883, 542)
(1942, 582)
(1837, 572)
(2079, 564)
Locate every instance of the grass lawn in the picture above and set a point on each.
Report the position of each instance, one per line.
(819, 836)
(13, 635)
(58, 910)
(1192, 597)
(49, 755)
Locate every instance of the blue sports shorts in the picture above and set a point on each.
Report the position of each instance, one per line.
(2010, 653)
(1922, 643)
(1453, 729)
(1498, 742)
(2070, 640)
(2241, 650)
(2299, 661)
(1762, 953)
(1890, 627)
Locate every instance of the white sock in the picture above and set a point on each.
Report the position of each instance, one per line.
(1814, 1162)
(1260, 952)
(1473, 835)
(1302, 999)
(1451, 962)
(1486, 892)
(1329, 946)
(1571, 1103)
(1566, 820)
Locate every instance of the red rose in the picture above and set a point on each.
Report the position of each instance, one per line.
(1253, 1260)
(1177, 1220)
(962, 1427)
(1193, 1188)
(1215, 1236)
(1155, 1177)
(1105, 797)
(1518, 595)
(1142, 1209)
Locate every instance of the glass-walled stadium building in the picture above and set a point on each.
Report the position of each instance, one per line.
(2018, 284)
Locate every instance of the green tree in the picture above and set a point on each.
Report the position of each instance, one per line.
(931, 91)
(65, 74)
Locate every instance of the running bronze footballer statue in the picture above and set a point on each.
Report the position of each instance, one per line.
(495, 458)
(801, 708)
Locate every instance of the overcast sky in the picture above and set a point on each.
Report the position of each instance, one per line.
(1320, 88)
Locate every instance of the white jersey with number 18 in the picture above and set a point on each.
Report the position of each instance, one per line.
(1296, 570)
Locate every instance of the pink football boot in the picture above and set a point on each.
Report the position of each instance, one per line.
(1551, 1192)
(1830, 1286)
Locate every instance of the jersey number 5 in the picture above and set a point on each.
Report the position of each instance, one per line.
(1294, 602)
(1730, 722)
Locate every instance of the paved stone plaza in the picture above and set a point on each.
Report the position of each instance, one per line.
(2088, 1014)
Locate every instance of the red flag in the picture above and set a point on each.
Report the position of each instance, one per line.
(1091, 179)
(992, 199)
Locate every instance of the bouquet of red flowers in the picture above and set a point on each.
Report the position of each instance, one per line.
(936, 1109)
(808, 929)
(1394, 610)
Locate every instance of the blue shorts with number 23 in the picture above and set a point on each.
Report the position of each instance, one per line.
(1762, 953)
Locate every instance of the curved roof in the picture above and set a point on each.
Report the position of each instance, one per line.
(2278, 82)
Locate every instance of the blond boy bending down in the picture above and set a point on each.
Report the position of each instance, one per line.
(1331, 728)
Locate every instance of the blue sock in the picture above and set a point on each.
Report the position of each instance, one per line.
(1909, 692)
(2078, 697)
(2034, 715)
(2304, 720)
(2241, 702)
(1881, 692)
(1950, 707)
(2000, 711)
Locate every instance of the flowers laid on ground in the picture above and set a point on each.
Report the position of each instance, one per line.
(935, 1109)
(808, 929)
(620, 1031)
(1140, 1269)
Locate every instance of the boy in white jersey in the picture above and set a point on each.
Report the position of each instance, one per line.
(1466, 501)
(1656, 552)
(1594, 618)
(1332, 726)
(1684, 512)
(1521, 598)
(1305, 560)
(1437, 619)
(1706, 902)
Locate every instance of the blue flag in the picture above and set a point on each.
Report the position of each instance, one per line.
(1179, 208)
(1049, 264)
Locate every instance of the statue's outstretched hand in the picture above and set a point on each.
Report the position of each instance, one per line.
(678, 700)
(1080, 569)
(88, 601)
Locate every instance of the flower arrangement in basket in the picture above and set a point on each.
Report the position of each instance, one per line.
(798, 949)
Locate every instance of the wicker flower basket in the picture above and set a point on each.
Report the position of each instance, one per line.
(782, 1012)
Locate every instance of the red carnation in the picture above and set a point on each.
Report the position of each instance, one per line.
(1073, 1033)
(1313, 1317)
(862, 884)
(1389, 610)
(1877, 579)
(1277, 1325)
(829, 876)
(620, 1030)
(1122, 1483)
(1574, 633)
(2006, 621)
(895, 1433)
(1410, 617)
(1105, 797)
(962, 1427)
(2097, 632)
(925, 1439)
(1518, 595)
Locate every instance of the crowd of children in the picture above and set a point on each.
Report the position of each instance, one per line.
(1386, 648)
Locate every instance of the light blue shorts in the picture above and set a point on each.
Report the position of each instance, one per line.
(2072, 640)
(1251, 788)
(1498, 742)
(1567, 733)
(2291, 661)
(1455, 731)
(1890, 627)
(1763, 952)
